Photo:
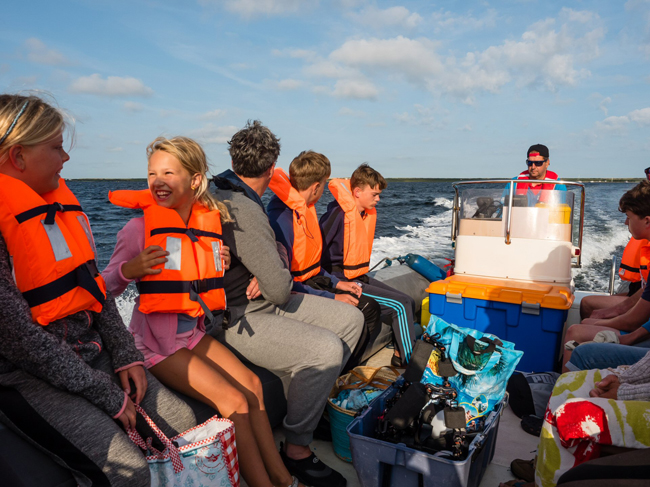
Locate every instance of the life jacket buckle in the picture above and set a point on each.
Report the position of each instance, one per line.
(51, 213)
(200, 286)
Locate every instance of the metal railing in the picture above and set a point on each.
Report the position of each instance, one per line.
(511, 183)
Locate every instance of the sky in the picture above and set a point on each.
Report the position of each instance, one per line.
(455, 89)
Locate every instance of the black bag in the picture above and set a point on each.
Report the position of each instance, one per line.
(530, 392)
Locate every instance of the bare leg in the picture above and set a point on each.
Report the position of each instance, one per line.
(192, 375)
(581, 334)
(589, 304)
(246, 382)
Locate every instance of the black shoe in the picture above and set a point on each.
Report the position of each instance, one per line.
(396, 362)
(532, 425)
(311, 471)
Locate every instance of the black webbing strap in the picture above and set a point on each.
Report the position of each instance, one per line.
(193, 288)
(305, 271)
(193, 233)
(83, 277)
(629, 268)
(357, 266)
(49, 210)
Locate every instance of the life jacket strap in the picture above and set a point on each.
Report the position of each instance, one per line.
(305, 271)
(50, 211)
(192, 233)
(629, 268)
(357, 266)
(83, 277)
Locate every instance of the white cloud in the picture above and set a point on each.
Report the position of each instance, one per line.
(390, 17)
(255, 8)
(360, 89)
(414, 58)
(580, 16)
(450, 20)
(111, 86)
(217, 113)
(545, 57)
(421, 116)
(348, 112)
(38, 52)
(211, 134)
(131, 106)
(288, 84)
(603, 104)
(294, 53)
(642, 117)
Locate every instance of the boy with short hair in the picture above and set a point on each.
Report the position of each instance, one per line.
(293, 218)
(348, 229)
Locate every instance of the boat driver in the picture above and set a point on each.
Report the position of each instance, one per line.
(537, 160)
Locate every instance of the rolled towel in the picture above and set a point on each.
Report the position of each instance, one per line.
(607, 336)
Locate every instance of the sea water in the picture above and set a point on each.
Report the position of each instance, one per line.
(413, 217)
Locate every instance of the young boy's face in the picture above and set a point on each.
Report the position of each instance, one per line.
(367, 197)
(638, 227)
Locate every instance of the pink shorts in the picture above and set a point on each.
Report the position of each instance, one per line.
(188, 340)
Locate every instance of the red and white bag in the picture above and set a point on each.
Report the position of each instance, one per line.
(206, 454)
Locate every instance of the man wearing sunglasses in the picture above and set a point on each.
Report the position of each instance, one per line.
(537, 161)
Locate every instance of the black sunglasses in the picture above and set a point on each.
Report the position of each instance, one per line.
(647, 172)
(539, 163)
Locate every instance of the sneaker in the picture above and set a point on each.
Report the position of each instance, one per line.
(311, 471)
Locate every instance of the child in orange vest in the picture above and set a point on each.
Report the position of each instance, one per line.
(348, 229)
(176, 348)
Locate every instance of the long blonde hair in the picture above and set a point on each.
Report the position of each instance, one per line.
(192, 157)
(33, 120)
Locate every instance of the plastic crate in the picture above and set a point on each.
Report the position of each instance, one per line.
(382, 464)
(531, 316)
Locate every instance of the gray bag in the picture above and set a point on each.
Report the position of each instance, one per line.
(530, 392)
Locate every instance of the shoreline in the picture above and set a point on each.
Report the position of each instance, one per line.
(419, 180)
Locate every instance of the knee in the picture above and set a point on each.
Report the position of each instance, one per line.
(571, 333)
(254, 387)
(233, 402)
(329, 352)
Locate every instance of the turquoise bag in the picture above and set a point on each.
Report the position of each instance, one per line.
(484, 364)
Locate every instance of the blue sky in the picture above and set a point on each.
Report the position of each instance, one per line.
(415, 88)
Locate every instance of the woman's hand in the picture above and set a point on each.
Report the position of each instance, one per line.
(225, 255)
(127, 418)
(253, 289)
(141, 265)
(606, 388)
(139, 378)
(351, 287)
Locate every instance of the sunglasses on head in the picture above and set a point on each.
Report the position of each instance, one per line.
(647, 172)
(538, 163)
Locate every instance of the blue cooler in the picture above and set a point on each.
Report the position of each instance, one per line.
(530, 315)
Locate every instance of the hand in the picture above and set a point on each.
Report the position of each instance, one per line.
(351, 287)
(225, 255)
(127, 418)
(141, 265)
(253, 289)
(346, 298)
(606, 388)
(139, 378)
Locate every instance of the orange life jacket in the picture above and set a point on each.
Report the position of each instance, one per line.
(359, 232)
(522, 188)
(52, 250)
(629, 269)
(307, 240)
(191, 280)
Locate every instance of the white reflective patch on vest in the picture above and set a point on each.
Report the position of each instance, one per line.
(173, 246)
(13, 269)
(83, 221)
(57, 241)
(216, 253)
